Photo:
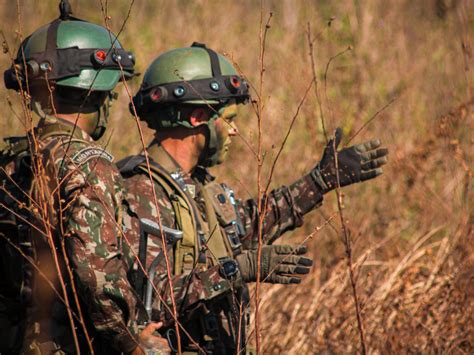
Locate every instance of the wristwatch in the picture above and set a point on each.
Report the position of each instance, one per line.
(229, 268)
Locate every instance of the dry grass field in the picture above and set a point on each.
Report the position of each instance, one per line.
(404, 67)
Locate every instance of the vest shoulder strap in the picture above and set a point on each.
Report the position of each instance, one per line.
(127, 166)
(185, 211)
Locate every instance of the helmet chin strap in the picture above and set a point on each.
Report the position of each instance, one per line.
(209, 156)
(100, 127)
(102, 118)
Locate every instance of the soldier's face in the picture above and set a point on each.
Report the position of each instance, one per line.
(225, 129)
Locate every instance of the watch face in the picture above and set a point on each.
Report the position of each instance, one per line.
(229, 268)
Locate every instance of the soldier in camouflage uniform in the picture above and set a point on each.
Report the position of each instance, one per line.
(189, 96)
(61, 207)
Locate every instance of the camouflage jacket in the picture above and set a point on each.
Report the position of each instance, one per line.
(286, 206)
(285, 209)
(77, 208)
(196, 289)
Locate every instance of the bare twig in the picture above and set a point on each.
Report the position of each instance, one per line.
(326, 71)
(315, 79)
(374, 116)
(261, 212)
(348, 248)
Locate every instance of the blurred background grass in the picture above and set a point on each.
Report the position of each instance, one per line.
(417, 53)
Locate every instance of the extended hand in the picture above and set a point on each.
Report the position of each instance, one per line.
(279, 264)
(355, 164)
(149, 340)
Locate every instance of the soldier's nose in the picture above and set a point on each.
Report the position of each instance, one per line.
(233, 130)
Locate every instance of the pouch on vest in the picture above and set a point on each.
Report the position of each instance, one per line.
(226, 213)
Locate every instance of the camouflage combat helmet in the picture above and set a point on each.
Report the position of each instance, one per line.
(76, 56)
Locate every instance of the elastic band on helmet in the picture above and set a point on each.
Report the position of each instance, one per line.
(220, 88)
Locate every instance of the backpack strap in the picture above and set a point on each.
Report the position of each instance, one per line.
(127, 166)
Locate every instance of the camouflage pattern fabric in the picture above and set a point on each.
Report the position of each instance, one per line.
(80, 193)
(286, 207)
(197, 290)
(200, 285)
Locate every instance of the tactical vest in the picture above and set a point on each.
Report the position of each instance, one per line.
(17, 252)
(220, 233)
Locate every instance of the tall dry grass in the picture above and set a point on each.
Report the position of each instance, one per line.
(411, 228)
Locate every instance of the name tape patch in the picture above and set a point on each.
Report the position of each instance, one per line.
(86, 154)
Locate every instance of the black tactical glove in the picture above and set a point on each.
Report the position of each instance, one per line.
(280, 264)
(355, 164)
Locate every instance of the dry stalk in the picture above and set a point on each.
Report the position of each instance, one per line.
(39, 174)
(305, 240)
(348, 249)
(44, 197)
(315, 79)
(163, 237)
(283, 143)
(174, 312)
(345, 232)
(374, 116)
(326, 71)
(261, 212)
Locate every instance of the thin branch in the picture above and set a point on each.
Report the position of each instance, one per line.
(157, 206)
(348, 249)
(371, 119)
(349, 48)
(261, 212)
(315, 79)
(290, 128)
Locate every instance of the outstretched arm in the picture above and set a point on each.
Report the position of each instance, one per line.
(286, 206)
(285, 209)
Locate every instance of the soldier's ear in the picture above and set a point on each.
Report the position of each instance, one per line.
(199, 116)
